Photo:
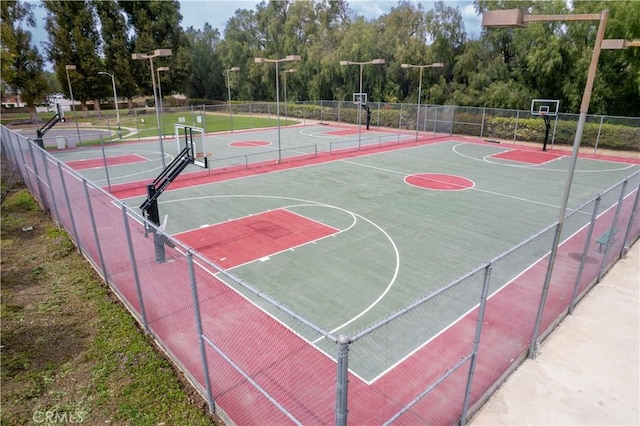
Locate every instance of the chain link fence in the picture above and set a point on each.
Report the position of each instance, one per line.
(433, 362)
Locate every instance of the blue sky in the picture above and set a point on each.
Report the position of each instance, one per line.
(217, 12)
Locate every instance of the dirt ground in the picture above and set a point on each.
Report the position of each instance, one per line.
(70, 352)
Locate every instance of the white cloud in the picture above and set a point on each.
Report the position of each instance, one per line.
(468, 11)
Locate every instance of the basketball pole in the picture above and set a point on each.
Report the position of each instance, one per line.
(547, 125)
(377, 61)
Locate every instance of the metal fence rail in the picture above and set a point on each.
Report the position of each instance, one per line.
(218, 338)
(491, 124)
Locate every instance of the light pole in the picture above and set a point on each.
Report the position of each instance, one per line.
(289, 58)
(160, 101)
(422, 67)
(518, 18)
(115, 97)
(374, 62)
(285, 72)
(156, 53)
(232, 69)
(73, 104)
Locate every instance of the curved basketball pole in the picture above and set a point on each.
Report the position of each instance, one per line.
(155, 189)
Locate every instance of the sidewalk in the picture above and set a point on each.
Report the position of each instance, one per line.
(588, 370)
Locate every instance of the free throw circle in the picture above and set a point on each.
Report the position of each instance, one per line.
(439, 182)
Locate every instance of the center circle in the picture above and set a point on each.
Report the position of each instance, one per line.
(439, 182)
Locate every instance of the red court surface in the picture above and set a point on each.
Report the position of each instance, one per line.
(111, 161)
(527, 156)
(139, 188)
(254, 237)
(245, 144)
(438, 181)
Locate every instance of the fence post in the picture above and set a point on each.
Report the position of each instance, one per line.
(36, 174)
(134, 267)
(135, 113)
(203, 353)
(204, 118)
(342, 380)
(95, 231)
(425, 119)
(53, 197)
(625, 248)
(595, 148)
(66, 197)
(13, 153)
(482, 125)
(476, 343)
(515, 130)
(613, 225)
(533, 346)
(435, 121)
(104, 159)
(583, 258)
(27, 181)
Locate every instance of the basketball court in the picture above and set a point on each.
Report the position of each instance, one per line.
(346, 239)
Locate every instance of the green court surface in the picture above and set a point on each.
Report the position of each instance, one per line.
(404, 221)
(394, 242)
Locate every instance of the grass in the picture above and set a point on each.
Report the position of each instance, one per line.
(70, 350)
(144, 121)
(146, 124)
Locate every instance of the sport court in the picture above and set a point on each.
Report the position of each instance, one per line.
(349, 240)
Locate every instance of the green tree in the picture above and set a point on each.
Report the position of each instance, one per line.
(74, 40)
(358, 46)
(445, 28)
(155, 24)
(116, 48)
(207, 73)
(12, 14)
(240, 45)
(22, 65)
(404, 39)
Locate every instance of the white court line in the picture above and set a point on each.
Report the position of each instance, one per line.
(314, 203)
(475, 188)
(536, 167)
(542, 258)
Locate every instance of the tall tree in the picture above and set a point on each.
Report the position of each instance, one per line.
(404, 38)
(240, 45)
(116, 47)
(22, 65)
(74, 40)
(445, 28)
(12, 14)
(207, 73)
(155, 24)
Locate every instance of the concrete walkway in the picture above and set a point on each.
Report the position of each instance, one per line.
(588, 370)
